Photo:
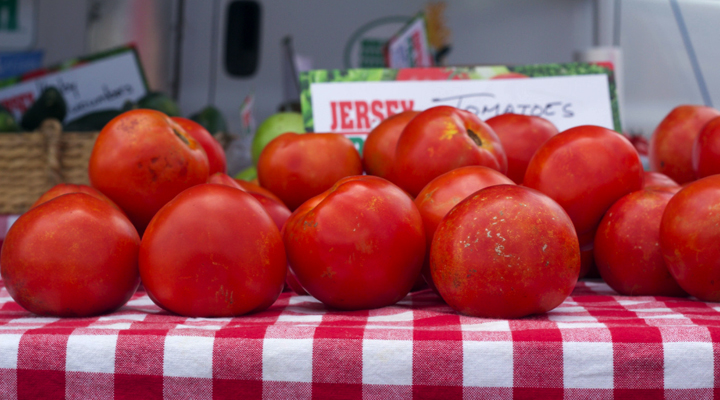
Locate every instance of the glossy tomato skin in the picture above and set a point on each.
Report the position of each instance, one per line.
(655, 180)
(706, 150)
(521, 136)
(212, 252)
(441, 139)
(214, 151)
(444, 192)
(689, 238)
(379, 148)
(627, 246)
(72, 256)
(65, 188)
(507, 251)
(296, 167)
(142, 159)
(585, 169)
(275, 208)
(255, 188)
(671, 144)
(359, 245)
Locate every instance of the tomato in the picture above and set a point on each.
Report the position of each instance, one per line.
(671, 144)
(296, 167)
(706, 150)
(212, 251)
(72, 256)
(65, 188)
(359, 245)
(142, 159)
(627, 251)
(507, 251)
(379, 148)
(444, 192)
(655, 180)
(689, 237)
(441, 139)
(521, 136)
(253, 187)
(585, 169)
(214, 151)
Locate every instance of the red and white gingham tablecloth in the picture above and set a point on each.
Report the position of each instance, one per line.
(597, 344)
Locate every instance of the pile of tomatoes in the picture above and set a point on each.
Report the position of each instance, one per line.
(500, 218)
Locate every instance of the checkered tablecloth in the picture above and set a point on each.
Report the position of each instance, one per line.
(597, 344)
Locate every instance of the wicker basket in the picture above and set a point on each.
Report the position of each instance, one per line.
(33, 162)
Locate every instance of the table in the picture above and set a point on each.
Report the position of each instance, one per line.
(597, 344)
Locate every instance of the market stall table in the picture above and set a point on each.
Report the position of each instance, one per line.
(597, 344)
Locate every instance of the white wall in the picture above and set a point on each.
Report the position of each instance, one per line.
(483, 32)
(658, 73)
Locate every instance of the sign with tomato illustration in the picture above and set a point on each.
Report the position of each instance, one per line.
(352, 102)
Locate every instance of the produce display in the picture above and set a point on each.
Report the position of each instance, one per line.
(501, 217)
(73, 256)
(297, 167)
(505, 251)
(143, 159)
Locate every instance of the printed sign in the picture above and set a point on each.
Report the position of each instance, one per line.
(353, 102)
(88, 85)
(17, 24)
(409, 48)
(18, 63)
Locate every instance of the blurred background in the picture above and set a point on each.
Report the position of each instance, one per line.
(217, 52)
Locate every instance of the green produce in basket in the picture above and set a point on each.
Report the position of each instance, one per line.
(50, 104)
(211, 119)
(91, 122)
(7, 121)
(160, 102)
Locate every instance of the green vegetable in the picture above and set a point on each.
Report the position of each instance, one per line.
(50, 104)
(91, 122)
(160, 102)
(211, 119)
(7, 121)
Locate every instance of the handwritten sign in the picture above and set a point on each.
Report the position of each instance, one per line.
(354, 107)
(100, 84)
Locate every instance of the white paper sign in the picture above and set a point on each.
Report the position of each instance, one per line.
(99, 85)
(354, 108)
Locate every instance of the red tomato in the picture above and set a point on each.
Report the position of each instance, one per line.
(212, 252)
(65, 188)
(507, 251)
(445, 192)
(671, 145)
(213, 149)
(689, 238)
(379, 149)
(521, 136)
(275, 208)
(297, 167)
(441, 139)
(255, 188)
(706, 150)
(585, 169)
(142, 159)
(72, 256)
(627, 251)
(359, 245)
(655, 180)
